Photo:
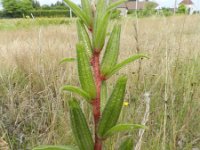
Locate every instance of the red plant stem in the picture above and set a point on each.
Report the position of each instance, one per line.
(96, 101)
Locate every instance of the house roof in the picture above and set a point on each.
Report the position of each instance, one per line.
(186, 2)
(131, 5)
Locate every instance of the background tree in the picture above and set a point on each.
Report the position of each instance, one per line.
(16, 8)
(36, 4)
(59, 5)
(10, 7)
(25, 6)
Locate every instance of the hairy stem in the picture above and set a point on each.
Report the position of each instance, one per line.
(96, 101)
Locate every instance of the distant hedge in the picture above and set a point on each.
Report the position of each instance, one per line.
(51, 13)
(147, 13)
(1, 14)
(142, 13)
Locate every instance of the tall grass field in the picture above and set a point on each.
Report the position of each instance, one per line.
(34, 111)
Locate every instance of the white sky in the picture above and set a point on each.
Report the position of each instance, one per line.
(162, 3)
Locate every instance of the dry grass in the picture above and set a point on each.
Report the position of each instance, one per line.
(33, 111)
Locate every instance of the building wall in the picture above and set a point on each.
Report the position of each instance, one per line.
(190, 8)
(124, 11)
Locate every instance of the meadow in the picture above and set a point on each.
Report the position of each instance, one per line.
(34, 111)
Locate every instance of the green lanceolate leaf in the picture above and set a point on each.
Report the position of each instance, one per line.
(100, 29)
(85, 72)
(78, 91)
(115, 4)
(86, 6)
(101, 6)
(123, 128)
(84, 38)
(127, 144)
(113, 108)
(103, 95)
(79, 13)
(80, 127)
(64, 60)
(124, 63)
(54, 147)
(112, 51)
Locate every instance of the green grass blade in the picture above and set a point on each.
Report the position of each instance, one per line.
(80, 127)
(126, 144)
(123, 128)
(79, 13)
(113, 108)
(85, 72)
(112, 51)
(54, 147)
(124, 63)
(115, 4)
(64, 60)
(103, 95)
(78, 91)
(84, 38)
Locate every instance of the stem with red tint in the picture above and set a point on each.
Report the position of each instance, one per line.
(96, 101)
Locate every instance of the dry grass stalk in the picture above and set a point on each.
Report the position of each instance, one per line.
(3, 145)
(144, 120)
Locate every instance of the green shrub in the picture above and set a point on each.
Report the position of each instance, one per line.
(166, 12)
(116, 14)
(182, 9)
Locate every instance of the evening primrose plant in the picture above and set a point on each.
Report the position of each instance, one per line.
(92, 24)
